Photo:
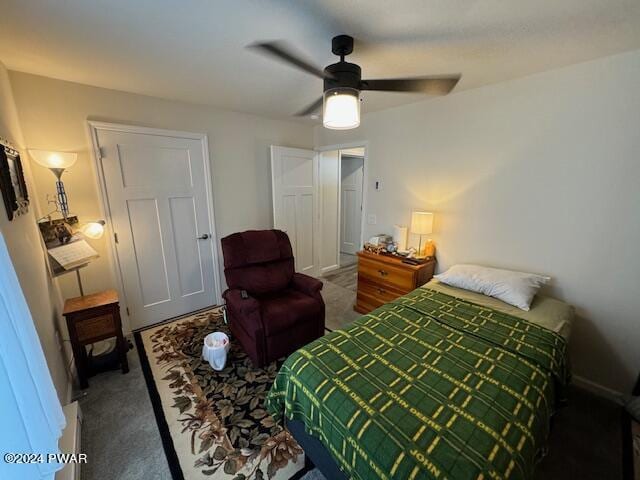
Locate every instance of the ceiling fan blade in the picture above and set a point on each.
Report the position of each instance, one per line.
(281, 51)
(312, 108)
(429, 85)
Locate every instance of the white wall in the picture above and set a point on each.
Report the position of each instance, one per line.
(53, 115)
(23, 242)
(537, 174)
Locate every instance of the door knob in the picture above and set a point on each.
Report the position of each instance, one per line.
(203, 237)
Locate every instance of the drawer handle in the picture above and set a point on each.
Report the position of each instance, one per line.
(381, 290)
(384, 273)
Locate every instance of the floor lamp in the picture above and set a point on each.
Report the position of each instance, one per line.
(57, 162)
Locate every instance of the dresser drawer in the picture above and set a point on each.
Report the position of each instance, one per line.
(376, 292)
(95, 327)
(370, 297)
(392, 276)
(366, 304)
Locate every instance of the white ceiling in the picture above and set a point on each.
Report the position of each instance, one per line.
(194, 50)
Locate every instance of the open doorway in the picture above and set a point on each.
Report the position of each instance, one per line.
(351, 191)
(341, 194)
(318, 200)
(341, 197)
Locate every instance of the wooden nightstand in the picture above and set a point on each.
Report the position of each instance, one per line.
(92, 318)
(382, 278)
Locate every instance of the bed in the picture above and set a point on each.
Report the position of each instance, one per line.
(439, 383)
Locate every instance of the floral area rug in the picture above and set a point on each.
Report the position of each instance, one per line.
(213, 424)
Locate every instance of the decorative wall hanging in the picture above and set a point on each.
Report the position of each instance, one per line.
(12, 183)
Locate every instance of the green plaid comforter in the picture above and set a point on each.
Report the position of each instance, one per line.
(428, 386)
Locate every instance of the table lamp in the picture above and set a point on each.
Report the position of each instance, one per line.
(421, 224)
(57, 162)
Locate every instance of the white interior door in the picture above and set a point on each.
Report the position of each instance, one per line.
(329, 210)
(293, 174)
(159, 199)
(351, 203)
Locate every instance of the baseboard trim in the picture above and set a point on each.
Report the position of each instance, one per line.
(598, 389)
(325, 270)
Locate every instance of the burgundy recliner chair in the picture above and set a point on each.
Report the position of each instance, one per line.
(271, 310)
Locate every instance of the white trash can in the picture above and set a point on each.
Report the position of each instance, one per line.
(215, 348)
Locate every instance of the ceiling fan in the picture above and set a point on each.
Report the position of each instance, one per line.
(343, 82)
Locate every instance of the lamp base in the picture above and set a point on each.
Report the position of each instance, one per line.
(428, 251)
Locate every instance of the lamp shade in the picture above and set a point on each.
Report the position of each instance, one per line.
(93, 230)
(53, 159)
(421, 223)
(341, 108)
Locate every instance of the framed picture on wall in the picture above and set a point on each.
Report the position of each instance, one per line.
(12, 183)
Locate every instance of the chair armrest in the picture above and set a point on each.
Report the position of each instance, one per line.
(306, 284)
(244, 306)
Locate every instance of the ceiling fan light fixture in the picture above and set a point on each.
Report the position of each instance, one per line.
(341, 108)
(342, 82)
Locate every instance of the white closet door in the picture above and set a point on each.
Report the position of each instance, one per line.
(329, 201)
(161, 210)
(293, 174)
(351, 204)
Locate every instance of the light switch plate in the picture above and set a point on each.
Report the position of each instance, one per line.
(372, 219)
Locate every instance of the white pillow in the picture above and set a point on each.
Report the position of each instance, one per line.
(514, 288)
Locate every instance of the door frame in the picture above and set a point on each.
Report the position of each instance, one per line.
(365, 188)
(105, 210)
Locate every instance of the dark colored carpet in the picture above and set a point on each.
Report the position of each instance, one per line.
(585, 441)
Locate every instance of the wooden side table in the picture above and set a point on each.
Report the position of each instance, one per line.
(90, 319)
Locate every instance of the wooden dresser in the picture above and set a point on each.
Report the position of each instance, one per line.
(382, 278)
